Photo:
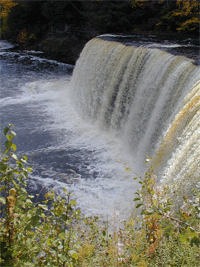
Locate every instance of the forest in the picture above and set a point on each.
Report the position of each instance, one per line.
(31, 24)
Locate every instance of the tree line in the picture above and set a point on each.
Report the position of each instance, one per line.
(28, 22)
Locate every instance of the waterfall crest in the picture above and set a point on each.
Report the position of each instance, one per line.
(148, 97)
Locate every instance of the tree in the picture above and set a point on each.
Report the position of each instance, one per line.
(183, 16)
(6, 6)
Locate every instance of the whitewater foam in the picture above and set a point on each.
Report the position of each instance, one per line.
(136, 93)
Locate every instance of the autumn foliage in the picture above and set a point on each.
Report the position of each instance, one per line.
(137, 16)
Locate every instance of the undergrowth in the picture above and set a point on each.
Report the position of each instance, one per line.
(55, 233)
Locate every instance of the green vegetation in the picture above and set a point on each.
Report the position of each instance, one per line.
(54, 233)
(184, 17)
(37, 18)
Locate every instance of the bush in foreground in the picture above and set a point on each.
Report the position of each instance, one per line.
(54, 233)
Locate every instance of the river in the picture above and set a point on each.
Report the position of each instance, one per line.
(65, 148)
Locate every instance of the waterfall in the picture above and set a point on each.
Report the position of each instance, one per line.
(149, 98)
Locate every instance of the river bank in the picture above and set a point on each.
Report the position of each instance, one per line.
(63, 46)
(66, 46)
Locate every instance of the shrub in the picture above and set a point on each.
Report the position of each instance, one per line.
(32, 234)
(54, 233)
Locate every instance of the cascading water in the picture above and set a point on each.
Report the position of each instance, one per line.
(134, 101)
(149, 98)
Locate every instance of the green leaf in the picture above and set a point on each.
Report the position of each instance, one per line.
(60, 247)
(3, 187)
(191, 233)
(38, 212)
(3, 166)
(139, 205)
(73, 202)
(27, 227)
(14, 156)
(6, 130)
(14, 147)
(2, 200)
(23, 190)
(29, 169)
(77, 212)
(146, 212)
(34, 220)
(23, 160)
(62, 235)
(13, 133)
(49, 241)
(25, 157)
(9, 137)
(74, 254)
(136, 199)
(195, 240)
(15, 184)
(30, 202)
(8, 144)
(44, 207)
(183, 238)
